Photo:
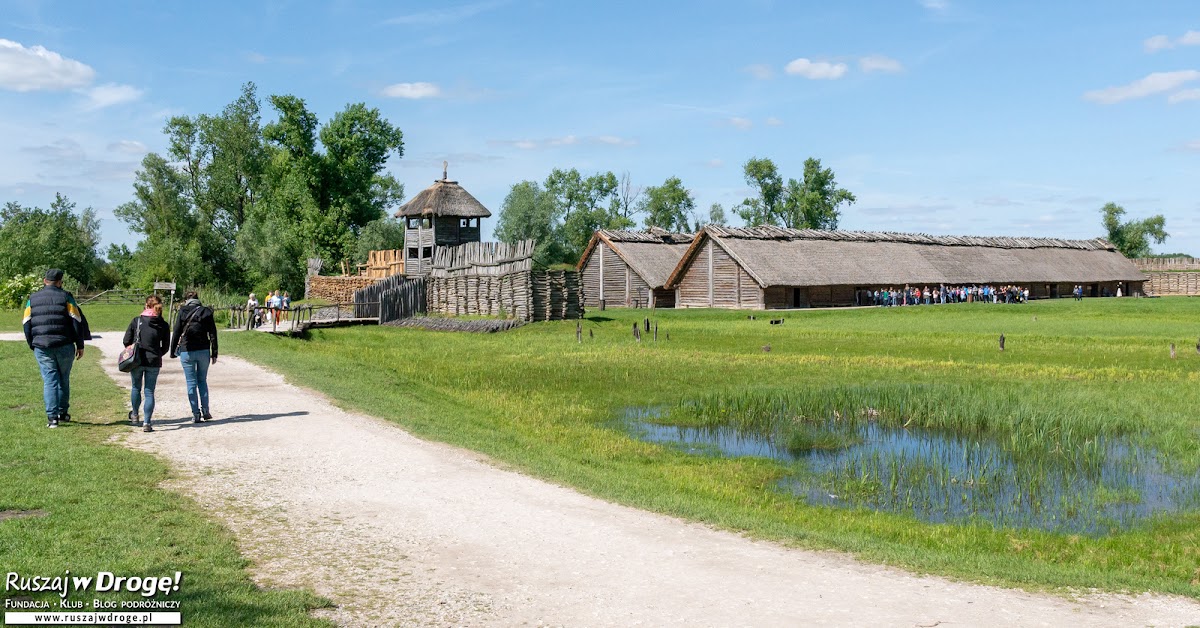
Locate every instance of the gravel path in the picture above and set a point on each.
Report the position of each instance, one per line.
(397, 530)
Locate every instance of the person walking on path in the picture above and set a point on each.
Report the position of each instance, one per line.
(55, 330)
(153, 338)
(194, 341)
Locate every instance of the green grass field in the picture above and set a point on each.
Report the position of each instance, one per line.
(536, 400)
(101, 508)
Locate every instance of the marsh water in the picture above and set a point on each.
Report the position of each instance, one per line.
(945, 477)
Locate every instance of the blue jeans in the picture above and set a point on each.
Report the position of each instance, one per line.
(147, 375)
(195, 371)
(55, 365)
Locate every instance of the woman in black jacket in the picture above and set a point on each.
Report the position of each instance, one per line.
(153, 336)
(194, 340)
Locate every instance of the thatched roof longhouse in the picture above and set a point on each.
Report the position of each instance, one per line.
(774, 256)
(652, 254)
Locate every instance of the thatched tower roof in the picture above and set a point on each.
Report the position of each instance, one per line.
(444, 198)
(775, 256)
(653, 254)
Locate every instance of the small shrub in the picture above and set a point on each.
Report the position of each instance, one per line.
(13, 292)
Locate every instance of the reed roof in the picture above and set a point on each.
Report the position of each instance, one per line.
(776, 256)
(444, 198)
(652, 254)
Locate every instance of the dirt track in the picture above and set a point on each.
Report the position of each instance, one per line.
(401, 531)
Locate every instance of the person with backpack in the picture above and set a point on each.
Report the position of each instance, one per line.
(194, 342)
(152, 336)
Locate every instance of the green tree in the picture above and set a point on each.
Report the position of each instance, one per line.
(810, 203)
(716, 215)
(587, 204)
(378, 235)
(531, 213)
(1132, 238)
(668, 206)
(174, 233)
(33, 239)
(763, 177)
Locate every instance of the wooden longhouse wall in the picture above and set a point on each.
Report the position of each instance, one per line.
(629, 268)
(731, 285)
(728, 267)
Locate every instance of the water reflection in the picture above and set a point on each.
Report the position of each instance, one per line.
(944, 477)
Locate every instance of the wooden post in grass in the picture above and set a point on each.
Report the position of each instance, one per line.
(637, 333)
(1002, 342)
(579, 332)
(655, 331)
(647, 325)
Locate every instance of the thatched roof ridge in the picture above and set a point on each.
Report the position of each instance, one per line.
(654, 234)
(652, 254)
(774, 256)
(444, 198)
(769, 232)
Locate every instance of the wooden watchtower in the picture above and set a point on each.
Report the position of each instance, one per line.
(443, 214)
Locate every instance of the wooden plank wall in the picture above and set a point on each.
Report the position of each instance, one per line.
(1174, 283)
(1149, 264)
(616, 278)
(590, 278)
(692, 290)
(725, 279)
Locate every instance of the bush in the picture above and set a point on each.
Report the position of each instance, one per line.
(14, 291)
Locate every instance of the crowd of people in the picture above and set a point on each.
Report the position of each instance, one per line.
(274, 309)
(924, 295)
(55, 330)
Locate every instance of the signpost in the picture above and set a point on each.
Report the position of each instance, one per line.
(169, 286)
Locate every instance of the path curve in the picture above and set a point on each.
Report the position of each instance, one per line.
(397, 530)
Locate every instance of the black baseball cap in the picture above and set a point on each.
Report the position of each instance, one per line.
(54, 274)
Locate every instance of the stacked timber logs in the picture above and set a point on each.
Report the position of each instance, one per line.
(336, 289)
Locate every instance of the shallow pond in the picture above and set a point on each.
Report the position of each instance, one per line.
(944, 477)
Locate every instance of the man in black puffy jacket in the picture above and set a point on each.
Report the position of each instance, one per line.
(55, 331)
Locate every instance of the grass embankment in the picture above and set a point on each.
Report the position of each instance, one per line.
(98, 507)
(535, 399)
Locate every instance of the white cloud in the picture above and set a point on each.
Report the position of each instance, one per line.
(110, 94)
(445, 16)
(773, 121)
(1164, 42)
(1192, 146)
(613, 140)
(935, 5)
(1154, 83)
(714, 163)
(1184, 95)
(1156, 43)
(816, 69)
(880, 63)
(129, 147)
(553, 142)
(760, 71)
(740, 122)
(412, 91)
(256, 57)
(30, 69)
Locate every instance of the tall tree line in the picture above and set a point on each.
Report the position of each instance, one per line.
(237, 203)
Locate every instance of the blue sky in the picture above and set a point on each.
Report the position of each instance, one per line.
(942, 116)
